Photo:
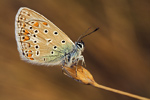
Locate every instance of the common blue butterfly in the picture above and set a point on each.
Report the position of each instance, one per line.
(41, 42)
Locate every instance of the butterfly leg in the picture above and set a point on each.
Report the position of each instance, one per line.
(77, 61)
(64, 71)
(75, 64)
(82, 59)
(76, 71)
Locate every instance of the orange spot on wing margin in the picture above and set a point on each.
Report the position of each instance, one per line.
(45, 23)
(36, 24)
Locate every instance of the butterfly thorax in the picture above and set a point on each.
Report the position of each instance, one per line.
(73, 57)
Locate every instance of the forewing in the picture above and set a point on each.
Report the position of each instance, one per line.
(39, 40)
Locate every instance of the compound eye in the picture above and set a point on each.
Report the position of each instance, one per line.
(79, 45)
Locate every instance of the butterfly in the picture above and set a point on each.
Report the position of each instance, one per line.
(41, 42)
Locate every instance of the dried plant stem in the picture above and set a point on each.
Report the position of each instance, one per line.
(84, 76)
(118, 91)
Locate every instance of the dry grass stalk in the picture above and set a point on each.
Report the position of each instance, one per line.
(82, 75)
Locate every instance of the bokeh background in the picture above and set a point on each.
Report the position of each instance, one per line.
(118, 55)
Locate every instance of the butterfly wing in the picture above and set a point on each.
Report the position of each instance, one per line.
(39, 40)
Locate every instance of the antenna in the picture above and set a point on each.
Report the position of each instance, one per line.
(81, 37)
(83, 33)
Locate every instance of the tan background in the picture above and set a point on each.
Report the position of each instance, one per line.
(117, 55)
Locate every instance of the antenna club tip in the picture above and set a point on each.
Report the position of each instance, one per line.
(87, 34)
(96, 29)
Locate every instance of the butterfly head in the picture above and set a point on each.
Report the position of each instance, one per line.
(80, 45)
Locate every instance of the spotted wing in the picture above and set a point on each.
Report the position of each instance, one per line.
(39, 40)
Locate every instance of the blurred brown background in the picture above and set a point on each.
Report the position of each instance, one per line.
(118, 55)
